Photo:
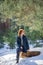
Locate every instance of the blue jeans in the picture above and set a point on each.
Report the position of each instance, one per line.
(18, 52)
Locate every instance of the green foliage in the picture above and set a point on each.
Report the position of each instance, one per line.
(12, 39)
(27, 14)
(1, 41)
(35, 35)
(1, 45)
(27, 31)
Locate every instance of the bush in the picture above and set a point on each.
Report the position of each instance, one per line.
(11, 39)
(35, 35)
(1, 41)
(1, 45)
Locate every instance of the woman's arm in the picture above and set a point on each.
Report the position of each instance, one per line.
(18, 42)
(27, 44)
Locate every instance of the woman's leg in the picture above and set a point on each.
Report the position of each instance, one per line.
(18, 52)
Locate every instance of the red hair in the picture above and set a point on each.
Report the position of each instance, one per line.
(20, 32)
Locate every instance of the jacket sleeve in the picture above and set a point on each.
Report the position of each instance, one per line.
(27, 44)
(18, 42)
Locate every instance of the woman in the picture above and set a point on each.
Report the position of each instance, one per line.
(22, 43)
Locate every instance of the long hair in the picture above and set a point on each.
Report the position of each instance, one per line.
(20, 32)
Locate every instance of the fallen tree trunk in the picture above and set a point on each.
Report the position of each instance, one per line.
(29, 54)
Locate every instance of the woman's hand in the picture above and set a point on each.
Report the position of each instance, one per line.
(27, 50)
(21, 47)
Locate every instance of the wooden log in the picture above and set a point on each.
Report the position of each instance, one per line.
(29, 54)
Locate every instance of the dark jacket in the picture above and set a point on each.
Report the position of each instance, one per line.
(25, 43)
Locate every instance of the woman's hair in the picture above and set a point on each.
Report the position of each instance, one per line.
(20, 32)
